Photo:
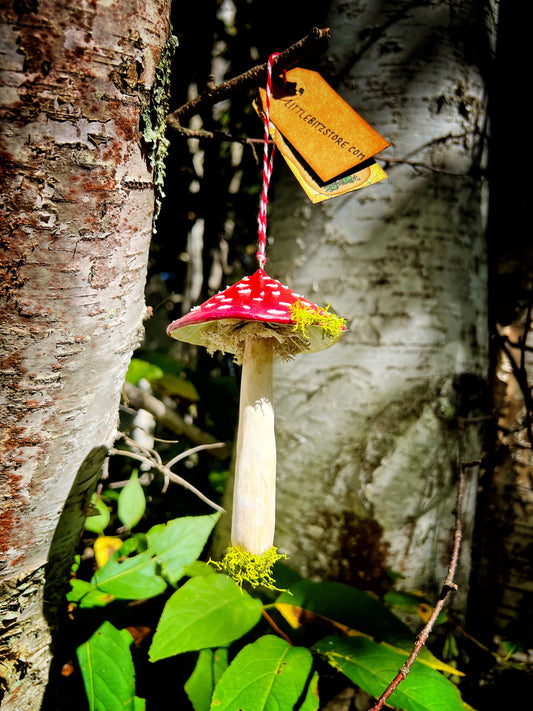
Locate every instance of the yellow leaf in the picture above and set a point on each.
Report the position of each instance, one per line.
(298, 616)
(104, 547)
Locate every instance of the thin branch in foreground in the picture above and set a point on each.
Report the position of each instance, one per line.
(146, 451)
(447, 588)
(308, 45)
(217, 136)
(170, 474)
(275, 627)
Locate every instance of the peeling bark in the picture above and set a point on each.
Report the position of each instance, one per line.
(78, 215)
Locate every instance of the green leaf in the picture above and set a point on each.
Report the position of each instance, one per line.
(135, 578)
(178, 386)
(405, 600)
(311, 701)
(131, 502)
(208, 670)
(373, 666)
(207, 611)
(139, 369)
(180, 542)
(267, 675)
(107, 670)
(360, 612)
(198, 568)
(97, 523)
(171, 547)
(413, 603)
(85, 595)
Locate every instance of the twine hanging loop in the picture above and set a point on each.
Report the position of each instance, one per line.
(268, 159)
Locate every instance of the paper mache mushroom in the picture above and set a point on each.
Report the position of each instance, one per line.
(256, 319)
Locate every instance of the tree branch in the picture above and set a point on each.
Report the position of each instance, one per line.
(308, 45)
(215, 135)
(168, 473)
(520, 373)
(170, 418)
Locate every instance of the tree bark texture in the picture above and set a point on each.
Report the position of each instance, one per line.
(78, 206)
(371, 432)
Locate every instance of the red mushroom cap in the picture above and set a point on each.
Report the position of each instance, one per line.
(256, 298)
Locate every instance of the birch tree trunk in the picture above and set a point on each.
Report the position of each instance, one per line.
(371, 432)
(78, 215)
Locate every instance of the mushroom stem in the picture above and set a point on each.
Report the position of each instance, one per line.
(254, 495)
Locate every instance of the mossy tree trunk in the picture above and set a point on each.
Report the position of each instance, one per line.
(78, 210)
(371, 433)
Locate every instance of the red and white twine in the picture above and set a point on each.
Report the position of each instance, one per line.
(267, 168)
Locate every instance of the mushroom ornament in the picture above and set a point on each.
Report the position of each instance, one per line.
(256, 319)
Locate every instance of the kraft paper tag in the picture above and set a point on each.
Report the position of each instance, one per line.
(321, 127)
(318, 190)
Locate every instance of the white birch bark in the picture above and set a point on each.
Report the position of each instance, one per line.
(367, 431)
(78, 211)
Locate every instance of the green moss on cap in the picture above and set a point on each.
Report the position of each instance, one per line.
(332, 326)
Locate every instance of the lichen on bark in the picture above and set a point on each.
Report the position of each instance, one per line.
(154, 122)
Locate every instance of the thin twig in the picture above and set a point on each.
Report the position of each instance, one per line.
(170, 474)
(308, 45)
(517, 345)
(447, 588)
(192, 450)
(520, 374)
(275, 626)
(147, 451)
(391, 162)
(524, 336)
(216, 135)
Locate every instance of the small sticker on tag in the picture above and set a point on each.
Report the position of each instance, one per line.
(318, 190)
(330, 136)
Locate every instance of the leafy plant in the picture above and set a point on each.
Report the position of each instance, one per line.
(270, 650)
(108, 672)
(242, 664)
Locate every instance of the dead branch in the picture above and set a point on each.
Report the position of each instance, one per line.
(519, 369)
(215, 136)
(144, 455)
(138, 399)
(307, 46)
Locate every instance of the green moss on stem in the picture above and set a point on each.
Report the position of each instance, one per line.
(245, 567)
